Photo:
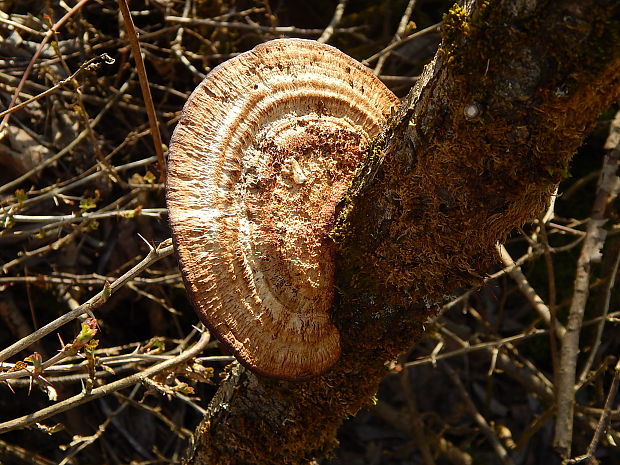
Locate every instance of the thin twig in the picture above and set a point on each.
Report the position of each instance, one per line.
(51, 247)
(178, 41)
(93, 99)
(76, 372)
(435, 27)
(499, 449)
(255, 27)
(599, 328)
(12, 453)
(103, 58)
(65, 219)
(22, 27)
(398, 80)
(557, 330)
(472, 348)
(589, 456)
(59, 188)
(74, 143)
(80, 443)
(603, 421)
(86, 279)
(83, 397)
(329, 30)
(593, 244)
(181, 432)
(417, 425)
(528, 291)
(498, 343)
(538, 422)
(402, 27)
(156, 254)
(45, 40)
(144, 85)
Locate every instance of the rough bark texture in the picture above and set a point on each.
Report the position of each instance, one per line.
(476, 149)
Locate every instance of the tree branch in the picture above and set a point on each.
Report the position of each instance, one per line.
(475, 150)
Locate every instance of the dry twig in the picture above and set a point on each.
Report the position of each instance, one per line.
(144, 85)
(329, 30)
(609, 183)
(105, 390)
(156, 254)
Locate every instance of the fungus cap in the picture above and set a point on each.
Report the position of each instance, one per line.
(263, 153)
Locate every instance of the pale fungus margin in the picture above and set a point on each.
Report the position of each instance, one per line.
(263, 153)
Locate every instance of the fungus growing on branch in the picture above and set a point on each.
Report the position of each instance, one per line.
(262, 155)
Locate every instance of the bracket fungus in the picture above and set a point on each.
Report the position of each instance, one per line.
(263, 153)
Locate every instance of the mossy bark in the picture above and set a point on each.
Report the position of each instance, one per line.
(475, 150)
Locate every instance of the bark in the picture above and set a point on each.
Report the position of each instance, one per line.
(475, 150)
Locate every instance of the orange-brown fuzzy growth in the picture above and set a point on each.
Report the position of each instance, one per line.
(263, 154)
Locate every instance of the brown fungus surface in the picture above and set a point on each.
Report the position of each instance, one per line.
(265, 150)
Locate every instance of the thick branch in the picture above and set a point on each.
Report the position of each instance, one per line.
(476, 149)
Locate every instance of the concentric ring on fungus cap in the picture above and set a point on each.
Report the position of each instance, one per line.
(264, 151)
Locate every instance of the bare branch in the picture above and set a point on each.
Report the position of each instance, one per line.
(163, 250)
(329, 30)
(101, 391)
(590, 253)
